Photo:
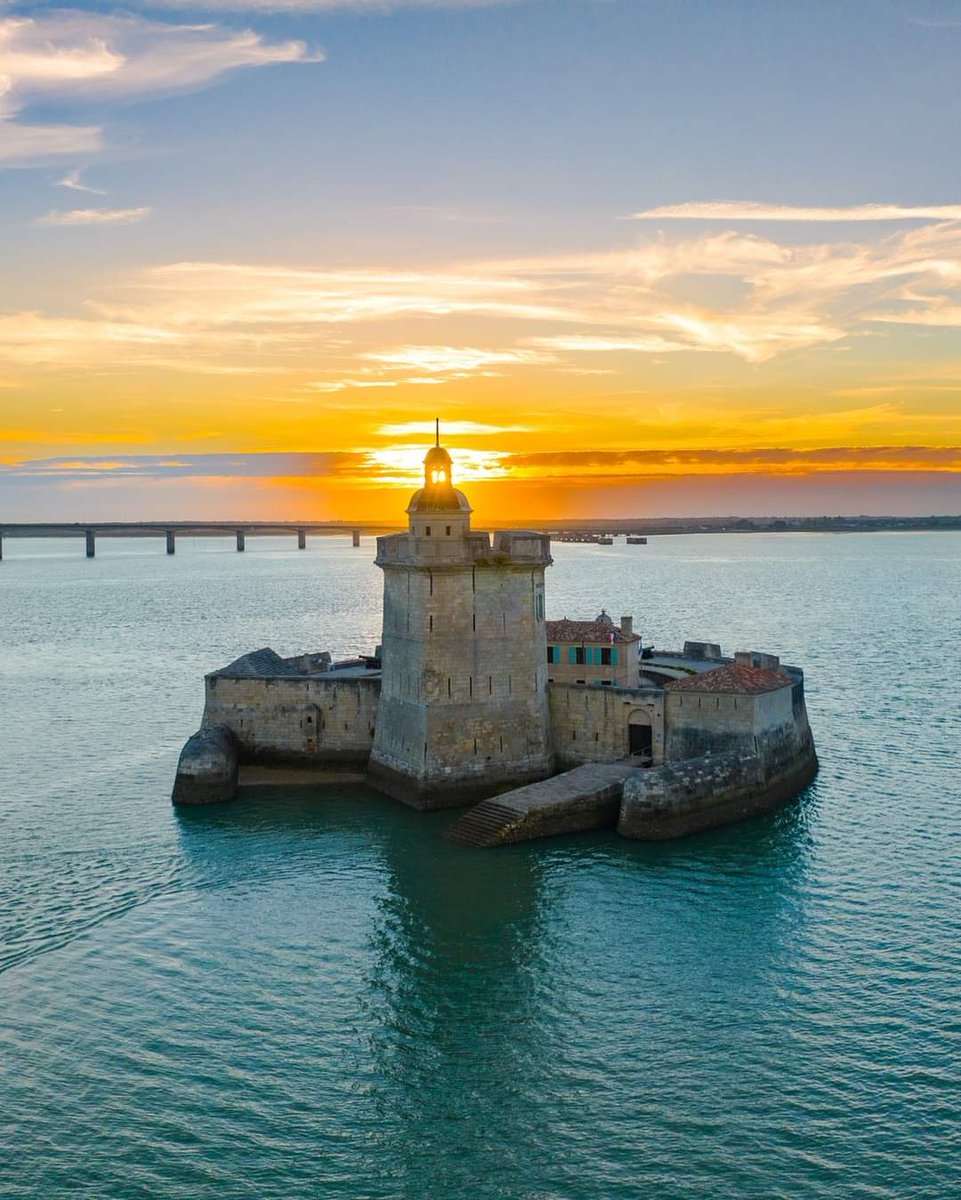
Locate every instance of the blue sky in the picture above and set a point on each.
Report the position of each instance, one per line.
(493, 141)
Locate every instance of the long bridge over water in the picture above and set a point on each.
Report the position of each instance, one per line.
(587, 530)
(169, 530)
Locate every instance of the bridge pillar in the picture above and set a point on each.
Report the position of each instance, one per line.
(301, 539)
(241, 540)
(356, 537)
(1, 547)
(171, 542)
(91, 543)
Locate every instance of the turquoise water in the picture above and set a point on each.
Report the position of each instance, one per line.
(309, 994)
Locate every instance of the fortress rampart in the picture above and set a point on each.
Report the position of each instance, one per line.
(458, 704)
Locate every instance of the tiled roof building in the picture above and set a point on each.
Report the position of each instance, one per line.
(589, 631)
(595, 651)
(733, 680)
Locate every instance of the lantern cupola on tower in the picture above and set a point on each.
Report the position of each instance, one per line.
(438, 495)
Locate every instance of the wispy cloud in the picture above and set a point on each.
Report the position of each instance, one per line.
(66, 54)
(400, 463)
(746, 210)
(20, 142)
(747, 297)
(32, 339)
(157, 466)
(424, 431)
(601, 344)
(769, 460)
(74, 182)
(456, 361)
(94, 216)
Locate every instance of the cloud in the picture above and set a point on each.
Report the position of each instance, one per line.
(749, 298)
(209, 294)
(424, 431)
(746, 210)
(400, 464)
(347, 385)
(456, 361)
(32, 339)
(599, 344)
(947, 316)
(157, 466)
(94, 216)
(779, 460)
(73, 181)
(89, 55)
(21, 143)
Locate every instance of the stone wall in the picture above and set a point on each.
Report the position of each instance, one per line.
(590, 724)
(310, 722)
(680, 798)
(700, 723)
(464, 706)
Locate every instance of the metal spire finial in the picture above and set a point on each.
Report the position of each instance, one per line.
(437, 431)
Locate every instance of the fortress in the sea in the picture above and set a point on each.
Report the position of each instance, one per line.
(474, 698)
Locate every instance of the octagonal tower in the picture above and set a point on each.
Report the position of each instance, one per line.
(463, 711)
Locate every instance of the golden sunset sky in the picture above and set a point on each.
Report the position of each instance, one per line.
(640, 258)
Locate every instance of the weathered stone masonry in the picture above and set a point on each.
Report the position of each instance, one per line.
(313, 721)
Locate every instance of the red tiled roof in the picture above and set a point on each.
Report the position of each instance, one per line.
(733, 678)
(587, 631)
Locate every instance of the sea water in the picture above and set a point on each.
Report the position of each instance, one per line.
(307, 993)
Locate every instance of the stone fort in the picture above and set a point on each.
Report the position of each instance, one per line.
(474, 698)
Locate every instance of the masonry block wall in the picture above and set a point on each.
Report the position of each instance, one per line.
(592, 724)
(698, 724)
(464, 674)
(314, 722)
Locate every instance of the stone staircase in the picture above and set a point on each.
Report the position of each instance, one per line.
(487, 824)
(586, 797)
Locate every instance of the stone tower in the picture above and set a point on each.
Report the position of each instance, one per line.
(463, 710)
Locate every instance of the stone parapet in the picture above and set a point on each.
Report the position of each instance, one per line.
(509, 548)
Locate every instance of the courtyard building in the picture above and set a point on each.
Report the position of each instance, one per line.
(597, 651)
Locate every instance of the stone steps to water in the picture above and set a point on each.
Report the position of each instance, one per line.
(487, 824)
(588, 797)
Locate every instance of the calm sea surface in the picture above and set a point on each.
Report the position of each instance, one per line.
(308, 994)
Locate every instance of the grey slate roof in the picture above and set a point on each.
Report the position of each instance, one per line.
(259, 664)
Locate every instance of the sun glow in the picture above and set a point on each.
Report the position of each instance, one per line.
(404, 465)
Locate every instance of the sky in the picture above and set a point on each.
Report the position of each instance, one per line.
(641, 257)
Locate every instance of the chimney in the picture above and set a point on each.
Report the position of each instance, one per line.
(627, 626)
